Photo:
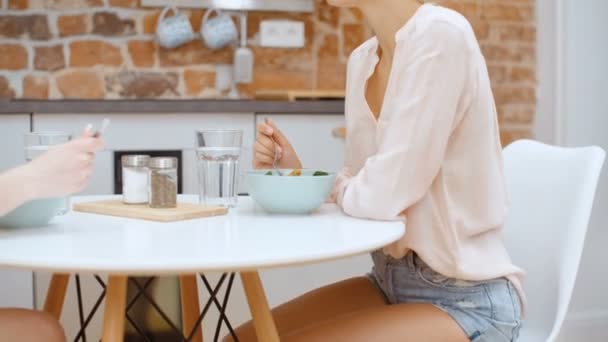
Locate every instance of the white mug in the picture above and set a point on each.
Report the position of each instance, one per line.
(173, 31)
(219, 31)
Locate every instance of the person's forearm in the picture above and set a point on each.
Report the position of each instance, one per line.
(15, 189)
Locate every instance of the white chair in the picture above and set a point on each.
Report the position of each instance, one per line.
(551, 192)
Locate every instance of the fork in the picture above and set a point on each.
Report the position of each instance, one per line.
(277, 154)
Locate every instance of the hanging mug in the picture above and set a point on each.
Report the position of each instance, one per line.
(219, 31)
(173, 31)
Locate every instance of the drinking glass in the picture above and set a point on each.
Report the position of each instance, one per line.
(218, 154)
(37, 143)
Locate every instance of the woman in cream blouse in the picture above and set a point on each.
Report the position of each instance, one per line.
(423, 147)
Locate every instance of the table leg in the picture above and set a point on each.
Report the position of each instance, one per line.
(114, 316)
(263, 322)
(190, 306)
(55, 295)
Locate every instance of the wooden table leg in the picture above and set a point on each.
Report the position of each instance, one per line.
(190, 306)
(55, 295)
(263, 322)
(114, 315)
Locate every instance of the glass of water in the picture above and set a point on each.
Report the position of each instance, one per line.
(37, 143)
(218, 154)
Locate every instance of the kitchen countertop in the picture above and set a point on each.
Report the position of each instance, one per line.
(172, 106)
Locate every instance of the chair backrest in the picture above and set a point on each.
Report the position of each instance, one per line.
(551, 192)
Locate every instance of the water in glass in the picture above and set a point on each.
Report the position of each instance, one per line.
(218, 169)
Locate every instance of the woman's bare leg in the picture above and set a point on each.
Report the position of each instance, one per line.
(29, 326)
(325, 303)
(401, 322)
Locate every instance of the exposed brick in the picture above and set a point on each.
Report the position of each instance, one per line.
(125, 3)
(516, 114)
(142, 84)
(453, 4)
(515, 95)
(18, 4)
(505, 53)
(110, 24)
(25, 26)
(328, 14)
(94, 52)
(49, 58)
(331, 74)
(329, 47)
(522, 74)
(498, 73)
(506, 11)
(65, 4)
(194, 53)
(142, 52)
(150, 21)
(81, 84)
(357, 14)
(198, 80)
(511, 134)
(12, 57)
(271, 80)
(196, 18)
(516, 33)
(5, 88)
(354, 35)
(470, 10)
(73, 25)
(35, 87)
(481, 28)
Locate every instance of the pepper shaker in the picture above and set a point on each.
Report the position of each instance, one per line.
(163, 182)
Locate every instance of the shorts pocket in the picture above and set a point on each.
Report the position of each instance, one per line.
(506, 311)
(436, 279)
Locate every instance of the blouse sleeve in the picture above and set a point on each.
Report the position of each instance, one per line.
(414, 136)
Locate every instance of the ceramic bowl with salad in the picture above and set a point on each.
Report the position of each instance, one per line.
(290, 191)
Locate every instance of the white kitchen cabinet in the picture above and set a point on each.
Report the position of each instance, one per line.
(16, 287)
(312, 138)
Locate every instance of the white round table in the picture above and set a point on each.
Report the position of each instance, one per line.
(245, 240)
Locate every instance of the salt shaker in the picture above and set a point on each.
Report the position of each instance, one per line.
(163, 182)
(135, 179)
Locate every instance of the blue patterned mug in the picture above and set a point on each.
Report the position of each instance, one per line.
(174, 31)
(219, 31)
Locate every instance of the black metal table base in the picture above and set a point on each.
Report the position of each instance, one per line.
(141, 292)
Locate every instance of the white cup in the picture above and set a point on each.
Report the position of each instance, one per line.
(173, 31)
(219, 31)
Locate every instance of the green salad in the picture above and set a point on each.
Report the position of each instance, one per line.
(298, 172)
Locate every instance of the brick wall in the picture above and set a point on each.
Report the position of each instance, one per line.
(53, 49)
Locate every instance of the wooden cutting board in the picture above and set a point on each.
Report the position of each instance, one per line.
(184, 211)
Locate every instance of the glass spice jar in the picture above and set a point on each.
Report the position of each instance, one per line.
(163, 182)
(135, 179)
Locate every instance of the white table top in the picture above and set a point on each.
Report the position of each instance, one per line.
(245, 239)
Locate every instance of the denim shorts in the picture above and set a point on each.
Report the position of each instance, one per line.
(487, 311)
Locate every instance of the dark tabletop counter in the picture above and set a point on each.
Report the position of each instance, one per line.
(172, 106)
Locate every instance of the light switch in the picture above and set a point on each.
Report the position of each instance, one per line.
(282, 34)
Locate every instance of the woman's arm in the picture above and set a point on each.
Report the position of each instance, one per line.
(64, 169)
(415, 135)
(14, 190)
